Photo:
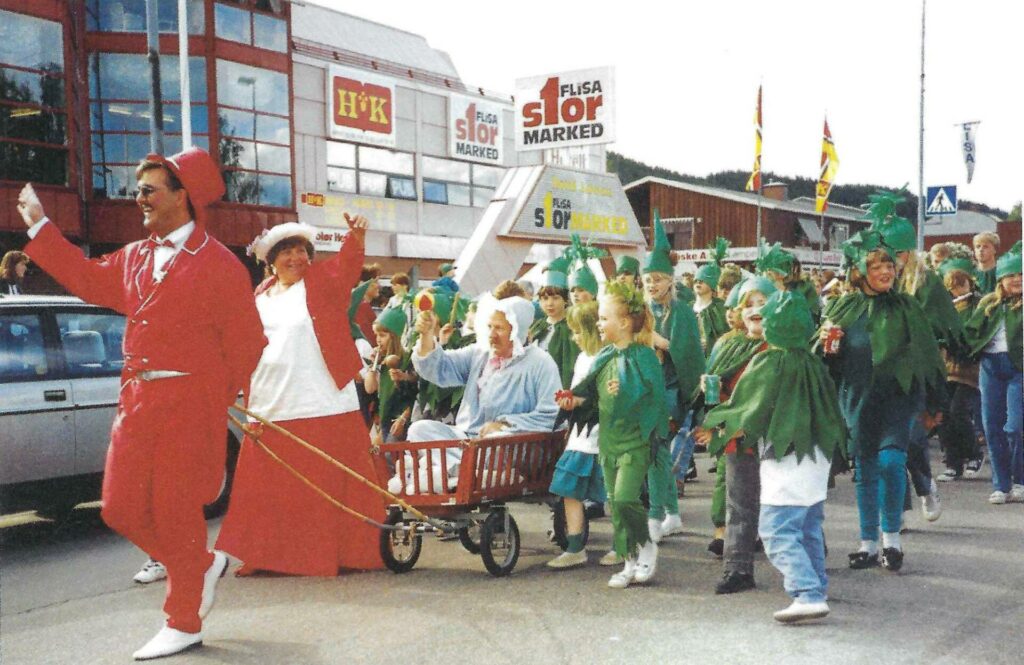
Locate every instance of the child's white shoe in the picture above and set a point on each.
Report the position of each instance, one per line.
(671, 525)
(654, 530)
(646, 563)
(623, 578)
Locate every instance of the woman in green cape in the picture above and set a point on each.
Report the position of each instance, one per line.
(889, 374)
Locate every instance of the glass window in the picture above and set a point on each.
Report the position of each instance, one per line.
(341, 154)
(445, 169)
(242, 187)
(273, 158)
(126, 76)
(401, 188)
(239, 153)
(37, 87)
(130, 16)
(31, 42)
(270, 33)
(233, 23)
(233, 122)
(275, 190)
(489, 176)
(373, 184)
(435, 192)
(273, 129)
(458, 195)
(341, 180)
(22, 350)
(237, 84)
(91, 343)
(32, 124)
(482, 196)
(389, 161)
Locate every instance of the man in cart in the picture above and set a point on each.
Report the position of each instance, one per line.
(192, 339)
(510, 387)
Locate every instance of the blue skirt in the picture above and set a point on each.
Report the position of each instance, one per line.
(578, 476)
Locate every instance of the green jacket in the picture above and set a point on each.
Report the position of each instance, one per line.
(712, 324)
(393, 399)
(685, 362)
(561, 346)
(981, 328)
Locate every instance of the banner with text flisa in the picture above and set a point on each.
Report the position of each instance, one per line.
(475, 130)
(566, 109)
(360, 107)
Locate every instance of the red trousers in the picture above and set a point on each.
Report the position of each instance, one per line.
(166, 460)
(275, 522)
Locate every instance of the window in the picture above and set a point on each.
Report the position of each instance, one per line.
(450, 182)
(255, 134)
(119, 115)
(91, 343)
(33, 107)
(22, 350)
(130, 16)
(260, 30)
(370, 171)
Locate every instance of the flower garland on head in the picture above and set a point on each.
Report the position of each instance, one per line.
(630, 296)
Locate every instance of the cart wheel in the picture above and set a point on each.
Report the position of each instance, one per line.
(561, 534)
(499, 543)
(399, 549)
(470, 537)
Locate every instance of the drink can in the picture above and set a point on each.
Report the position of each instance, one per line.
(831, 345)
(712, 389)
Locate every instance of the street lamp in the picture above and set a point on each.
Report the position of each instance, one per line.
(251, 82)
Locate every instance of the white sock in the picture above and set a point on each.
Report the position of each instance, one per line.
(891, 540)
(869, 546)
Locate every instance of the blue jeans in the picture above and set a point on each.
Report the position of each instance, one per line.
(795, 545)
(1000, 384)
(918, 463)
(881, 483)
(682, 448)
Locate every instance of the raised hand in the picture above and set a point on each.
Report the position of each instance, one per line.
(29, 207)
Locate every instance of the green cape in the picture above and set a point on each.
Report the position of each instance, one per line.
(902, 344)
(980, 328)
(787, 398)
(561, 347)
(641, 391)
(731, 352)
(1009, 263)
(358, 294)
(679, 326)
(393, 399)
(712, 324)
(942, 315)
(805, 288)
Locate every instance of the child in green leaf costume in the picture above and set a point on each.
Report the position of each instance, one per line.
(551, 332)
(709, 308)
(391, 378)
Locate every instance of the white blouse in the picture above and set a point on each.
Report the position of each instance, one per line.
(292, 380)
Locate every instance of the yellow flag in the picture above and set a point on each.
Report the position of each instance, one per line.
(754, 183)
(829, 166)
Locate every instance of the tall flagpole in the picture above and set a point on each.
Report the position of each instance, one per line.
(920, 154)
(186, 89)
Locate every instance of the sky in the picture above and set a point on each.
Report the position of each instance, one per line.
(687, 74)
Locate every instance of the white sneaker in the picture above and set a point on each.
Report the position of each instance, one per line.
(973, 467)
(798, 612)
(654, 529)
(152, 571)
(672, 525)
(611, 558)
(210, 579)
(1016, 494)
(997, 498)
(931, 505)
(646, 563)
(568, 560)
(168, 642)
(623, 578)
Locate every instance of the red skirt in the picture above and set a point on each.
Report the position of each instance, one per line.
(278, 523)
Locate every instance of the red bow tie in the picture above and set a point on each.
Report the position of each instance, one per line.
(152, 242)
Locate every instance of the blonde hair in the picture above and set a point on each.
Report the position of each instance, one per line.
(641, 318)
(582, 320)
(393, 347)
(986, 236)
(993, 300)
(913, 275)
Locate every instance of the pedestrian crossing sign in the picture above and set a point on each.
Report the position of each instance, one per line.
(941, 201)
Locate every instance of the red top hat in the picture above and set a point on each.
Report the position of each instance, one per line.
(199, 174)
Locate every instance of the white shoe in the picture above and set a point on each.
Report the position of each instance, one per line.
(997, 498)
(1016, 494)
(931, 505)
(611, 558)
(168, 642)
(623, 578)
(654, 529)
(568, 560)
(671, 525)
(152, 571)
(210, 579)
(798, 612)
(646, 563)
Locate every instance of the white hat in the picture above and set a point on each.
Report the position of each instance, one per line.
(265, 241)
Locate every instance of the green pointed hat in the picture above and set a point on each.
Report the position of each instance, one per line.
(711, 272)
(755, 283)
(393, 318)
(556, 272)
(660, 257)
(627, 264)
(897, 232)
(582, 276)
(1009, 263)
(958, 263)
(358, 294)
(774, 259)
(787, 320)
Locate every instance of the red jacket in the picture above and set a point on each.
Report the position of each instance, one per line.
(201, 318)
(329, 287)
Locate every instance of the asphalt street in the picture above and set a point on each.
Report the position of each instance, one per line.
(66, 597)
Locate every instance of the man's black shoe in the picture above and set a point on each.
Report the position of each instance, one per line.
(892, 558)
(861, 560)
(734, 582)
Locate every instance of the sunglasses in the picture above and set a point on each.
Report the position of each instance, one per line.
(145, 191)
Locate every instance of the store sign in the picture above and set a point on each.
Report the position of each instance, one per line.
(361, 107)
(743, 254)
(328, 240)
(474, 130)
(564, 202)
(566, 109)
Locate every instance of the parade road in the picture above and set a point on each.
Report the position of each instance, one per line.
(68, 598)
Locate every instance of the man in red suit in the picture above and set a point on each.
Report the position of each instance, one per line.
(192, 339)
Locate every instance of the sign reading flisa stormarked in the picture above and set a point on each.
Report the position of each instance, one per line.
(475, 130)
(360, 106)
(567, 109)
